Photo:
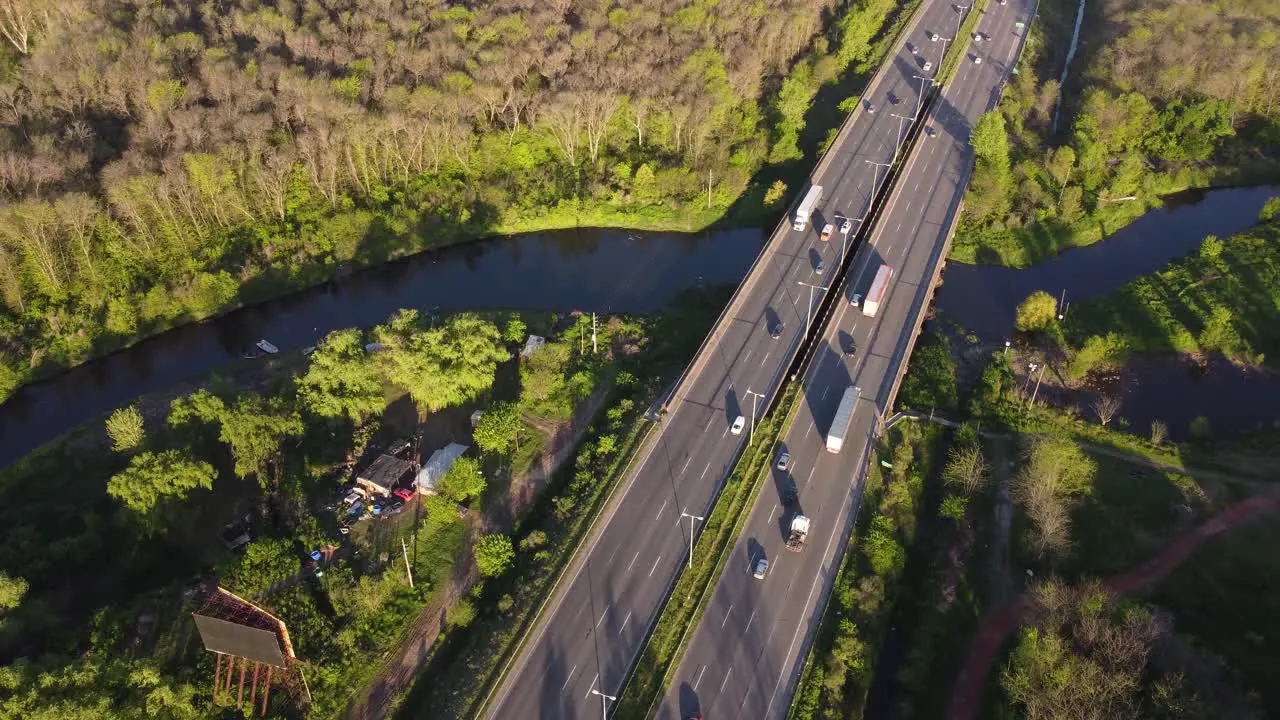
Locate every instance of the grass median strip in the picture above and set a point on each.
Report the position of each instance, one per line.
(686, 602)
(960, 44)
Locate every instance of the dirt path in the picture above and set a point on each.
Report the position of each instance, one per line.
(395, 676)
(999, 624)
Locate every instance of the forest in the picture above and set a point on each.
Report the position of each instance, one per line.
(1161, 96)
(163, 162)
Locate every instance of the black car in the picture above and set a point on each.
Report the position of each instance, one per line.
(776, 331)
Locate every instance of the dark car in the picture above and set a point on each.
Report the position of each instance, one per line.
(775, 332)
(820, 266)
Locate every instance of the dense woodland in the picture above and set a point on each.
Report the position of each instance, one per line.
(1161, 96)
(163, 161)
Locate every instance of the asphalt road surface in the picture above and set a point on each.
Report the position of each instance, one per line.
(594, 626)
(745, 657)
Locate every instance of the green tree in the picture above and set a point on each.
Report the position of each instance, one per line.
(343, 379)
(776, 193)
(125, 429)
(12, 590)
(1210, 248)
(1199, 429)
(498, 429)
(152, 478)
(494, 554)
(254, 428)
(514, 331)
(463, 481)
(441, 366)
(954, 507)
(990, 142)
(1270, 210)
(542, 374)
(1037, 312)
(263, 563)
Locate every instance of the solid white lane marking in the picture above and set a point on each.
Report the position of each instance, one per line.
(655, 567)
(624, 623)
(699, 678)
(633, 561)
(726, 616)
(566, 680)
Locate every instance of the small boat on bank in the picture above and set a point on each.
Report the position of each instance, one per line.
(261, 348)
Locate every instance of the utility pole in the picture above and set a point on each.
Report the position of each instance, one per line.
(1038, 380)
(595, 348)
(754, 396)
(408, 571)
(692, 519)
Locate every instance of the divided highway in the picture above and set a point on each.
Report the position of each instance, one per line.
(594, 625)
(745, 657)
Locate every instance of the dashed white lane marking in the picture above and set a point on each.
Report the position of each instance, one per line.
(633, 561)
(655, 567)
(686, 464)
(725, 680)
(699, 678)
(624, 623)
(660, 510)
(704, 471)
(749, 621)
(566, 680)
(603, 614)
(726, 616)
(593, 686)
(766, 359)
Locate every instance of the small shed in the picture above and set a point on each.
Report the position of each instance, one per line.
(532, 343)
(436, 466)
(382, 476)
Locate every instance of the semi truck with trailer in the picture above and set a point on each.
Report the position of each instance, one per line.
(879, 286)
(840, 423)
(807, 206)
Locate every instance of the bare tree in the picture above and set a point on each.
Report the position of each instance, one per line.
(967, 468)
(20, 19)
(1106, 407)
(1159, 431)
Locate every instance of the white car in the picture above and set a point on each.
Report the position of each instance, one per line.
(846, 226)
(784, 461)
(928, 66)
(933, 37)
(761, 569)
(856, 300)
(738, 423)
(977, 60)
(977, 37)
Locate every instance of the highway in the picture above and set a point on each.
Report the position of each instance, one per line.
(745, 657)
(597, 619)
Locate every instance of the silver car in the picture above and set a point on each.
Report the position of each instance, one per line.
(762, 569)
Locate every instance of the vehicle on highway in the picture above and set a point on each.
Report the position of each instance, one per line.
(784, 461)
(799, 533)
(738, 423)
(856, 300)
(929, 131)
(851, 346)
(807, 205)
(977, 37)
(840, 423)
(819, 266)
(879, 286)
(933, 37)
(977, 60)
(928, 66)
(761, 569)
(913, 49)
(775, 332)
(871, 108)
(845, 226)
(826, 231)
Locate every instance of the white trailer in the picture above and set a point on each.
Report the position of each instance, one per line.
(880, 285)
(840, 423)
(807, 206)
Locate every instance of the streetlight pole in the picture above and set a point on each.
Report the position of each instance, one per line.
(844, 242)
(604, 699)
(808, 315)
(692, 519)
(875, 178)
(754, 396)
(920, 98)
(944, 54)
(898, 144)
(960, 17)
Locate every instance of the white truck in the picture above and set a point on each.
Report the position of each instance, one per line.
(799, 533)
(807, 206)
(879, 286)
(840, 423)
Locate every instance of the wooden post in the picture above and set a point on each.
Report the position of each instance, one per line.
(266, 692)
(240, 693)
(217, 678)
(407, 570)
(253, 691)
(231, 666)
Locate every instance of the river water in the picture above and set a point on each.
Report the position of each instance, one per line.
(631, 272)
(590, 269)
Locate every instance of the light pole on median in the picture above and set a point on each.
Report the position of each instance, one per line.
(875, 179)
(901, 118)
(604, 700)
(754, 396)
(844, 242)
(808, 315)
(920, 98)
(944, 54)
(692, 519)
(960, 17)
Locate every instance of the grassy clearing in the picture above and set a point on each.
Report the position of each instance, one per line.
(1226, 598)
(1224, 299)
